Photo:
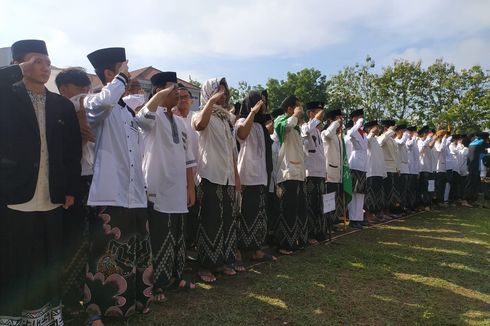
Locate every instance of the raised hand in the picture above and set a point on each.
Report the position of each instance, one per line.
(257, 107)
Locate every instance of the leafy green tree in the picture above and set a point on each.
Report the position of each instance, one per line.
(402, 88)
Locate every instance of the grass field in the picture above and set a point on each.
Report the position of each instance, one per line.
(428, 269)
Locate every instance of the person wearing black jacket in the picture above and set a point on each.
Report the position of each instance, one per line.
(40, 152)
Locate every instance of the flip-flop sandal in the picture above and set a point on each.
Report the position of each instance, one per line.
(147, 310)
(188, 285)
(158, 296)
(312, 242)
(207, 277)
(239, 267)
(229, 271)
(264, 258)
(285, 252)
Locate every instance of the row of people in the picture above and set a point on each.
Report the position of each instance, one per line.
(112, 191)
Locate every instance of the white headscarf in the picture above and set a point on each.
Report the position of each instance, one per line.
(208, 89)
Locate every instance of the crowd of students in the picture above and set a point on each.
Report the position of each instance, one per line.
(103, 195)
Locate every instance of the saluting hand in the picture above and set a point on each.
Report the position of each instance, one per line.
(167, 91)
(257, 107)
(27, 66)
(124, 68)
(216, 97)
(298, 111)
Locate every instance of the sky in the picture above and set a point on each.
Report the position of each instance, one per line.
(254, 40)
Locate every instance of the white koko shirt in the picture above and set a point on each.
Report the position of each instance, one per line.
(313, 147)
(167, 157)
(118, 175)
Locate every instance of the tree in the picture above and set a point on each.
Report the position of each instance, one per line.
(402, 91)
(355, 88)
(443, 83)
(308, 85)
(472, 112)
(194, 82)
(239, 93)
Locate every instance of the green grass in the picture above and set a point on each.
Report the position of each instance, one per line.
(429, 269)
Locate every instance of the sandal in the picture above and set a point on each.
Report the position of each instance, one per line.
(285, 252)
(312, 242)
(186, 285)
(229, 271)
(207, 277)
(158, 296)
(266, 257)
(239, 267)
(147, 310)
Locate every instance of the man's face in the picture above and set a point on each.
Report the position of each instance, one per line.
(40, 70)
(71, 90)
(185, 100)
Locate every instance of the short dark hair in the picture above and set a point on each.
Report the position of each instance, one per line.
(99, 71)
(289, 101)
(74, 76)
(183, 88)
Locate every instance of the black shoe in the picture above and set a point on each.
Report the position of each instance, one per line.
(356, 225)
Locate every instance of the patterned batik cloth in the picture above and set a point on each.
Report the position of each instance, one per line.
(167, 234)
(119, 274)
(292, 226)
(317, 221)
(216, 238)
(253, 217)
(374, 200)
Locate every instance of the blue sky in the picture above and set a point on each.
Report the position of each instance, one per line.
(254, 40)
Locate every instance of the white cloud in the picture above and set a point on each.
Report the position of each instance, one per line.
(464, 54)
(174, 33)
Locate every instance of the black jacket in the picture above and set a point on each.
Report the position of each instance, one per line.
(20, 143)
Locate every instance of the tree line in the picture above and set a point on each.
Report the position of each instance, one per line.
(440, 95)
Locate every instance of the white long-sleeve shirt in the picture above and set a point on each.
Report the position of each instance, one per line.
(403, 152)
(439, 151)
(167, 157)
(118, 176)
(313, 148)
(359, 145)
(332, 144)
(463, 160)
(291, 155)
(251, 158)
(390, 151)
(375, 158)
(452, 156)
(217, 151)
(425, 154)
(413, 156)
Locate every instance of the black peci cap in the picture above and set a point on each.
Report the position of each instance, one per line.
(161, 78)
(314, 105)
(21, 48)
(356, 113)
(107, 56)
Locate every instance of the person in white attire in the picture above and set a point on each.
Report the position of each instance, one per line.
(358, 167)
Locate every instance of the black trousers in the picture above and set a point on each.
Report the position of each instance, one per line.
(31, 260)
